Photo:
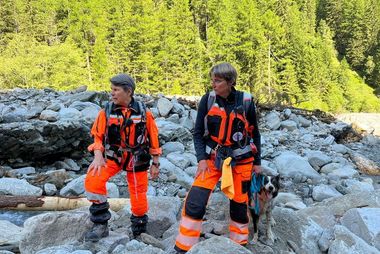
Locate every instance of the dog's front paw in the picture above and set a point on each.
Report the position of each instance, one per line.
(270, 237)
(254, 239)
(272, 222)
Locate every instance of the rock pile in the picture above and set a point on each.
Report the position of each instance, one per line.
(329, 199)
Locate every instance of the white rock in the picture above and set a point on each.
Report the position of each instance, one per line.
(323, 191)
(365, 223)
(16, 187)
(290, 164)
(164, 106)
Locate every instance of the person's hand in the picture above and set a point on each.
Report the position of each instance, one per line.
(154, 171)
(202, 168)
(257, 169)
(97, 164)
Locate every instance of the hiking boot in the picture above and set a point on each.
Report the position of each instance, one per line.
(97, 232)
(138, 224)
(178, 250)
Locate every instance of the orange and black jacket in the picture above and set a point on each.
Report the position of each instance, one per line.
(229, 104)
(128, 123)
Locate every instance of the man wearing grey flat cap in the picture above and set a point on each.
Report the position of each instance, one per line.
(125, 137)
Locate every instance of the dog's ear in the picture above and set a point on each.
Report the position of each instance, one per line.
(277, 178)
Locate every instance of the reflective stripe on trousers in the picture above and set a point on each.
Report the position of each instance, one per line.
(189, 232)
(97, 198)
(239, 232)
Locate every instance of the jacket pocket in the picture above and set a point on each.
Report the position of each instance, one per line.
(213, 125)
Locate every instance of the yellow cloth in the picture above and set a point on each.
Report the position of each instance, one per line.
(227, 179)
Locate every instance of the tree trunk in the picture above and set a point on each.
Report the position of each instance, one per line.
(30, 203)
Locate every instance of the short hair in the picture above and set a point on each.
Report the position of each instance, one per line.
(225, 71)
(125, 81)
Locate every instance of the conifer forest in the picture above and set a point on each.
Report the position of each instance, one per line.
(313, 54)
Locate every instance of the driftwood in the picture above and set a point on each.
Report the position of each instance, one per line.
(30, 203)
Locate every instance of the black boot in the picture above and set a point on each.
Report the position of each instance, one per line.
(99, 216)
(178, 250)
(138, 224)
(97, 232)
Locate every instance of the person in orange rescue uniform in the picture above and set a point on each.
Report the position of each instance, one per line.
(227, 145)
(125, 137)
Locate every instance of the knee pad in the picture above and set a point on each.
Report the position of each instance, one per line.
(238, 212)
(196, 202)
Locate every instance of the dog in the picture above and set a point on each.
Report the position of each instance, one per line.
(263, 189)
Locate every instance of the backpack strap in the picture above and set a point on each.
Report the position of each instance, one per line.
(107, 110)
(210, 101)
(247, 100)
(142, 109)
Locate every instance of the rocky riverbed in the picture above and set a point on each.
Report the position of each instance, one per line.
(329, 200)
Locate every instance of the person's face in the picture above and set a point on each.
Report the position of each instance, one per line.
(120, 96)
(221, 86)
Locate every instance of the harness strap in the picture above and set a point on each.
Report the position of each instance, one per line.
(107, 110)
(242, 98)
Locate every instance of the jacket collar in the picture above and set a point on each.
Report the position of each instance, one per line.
(133, 105)
(230, 98)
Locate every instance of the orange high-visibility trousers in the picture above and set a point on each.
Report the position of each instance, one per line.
(197, 199)
(96, 191)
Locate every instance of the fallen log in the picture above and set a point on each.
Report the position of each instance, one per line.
(30, 203)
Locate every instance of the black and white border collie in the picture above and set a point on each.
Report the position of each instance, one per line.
(266, 191)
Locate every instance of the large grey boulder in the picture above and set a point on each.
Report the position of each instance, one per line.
(170, 147)
(327, 212)
(290, 164)
(178, 159)
(181, 177)
(10, 235)
(169, 131)
(76, 188)
(353, 185)
(323, 191)
(187, 122)
(365, 223)
(162, 214)
(317, 159)
(63, 249)
(218, 244)
(69, 113)
(16, 187)
(54, 228)
(304, 233)
(83, 96)
(339, 170)
(289, 200)
(35, 139)
(108, 244)
(339, 148)
(303, 121)
(49, 115)
(345, 242)
(288, 125)
(136, 247)
(164, 106)
(177, 107)
(14, 173)
(273, 120)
